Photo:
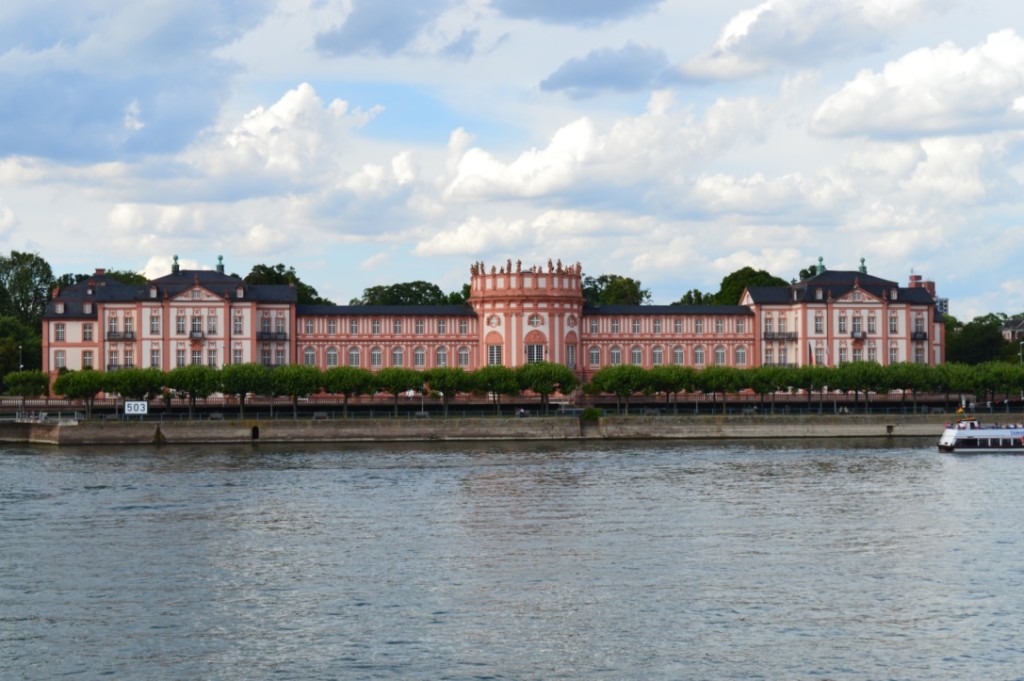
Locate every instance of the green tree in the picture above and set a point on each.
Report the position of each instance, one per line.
(980, 340)
(242, 379)
(448, 382)
(545, 379)
(195, 381)
(733, 284)
(397, 380)
(25, 281)
(718, 379)
(29, 383)
(621, 380)
(695, 297)
(671, 379)
(495, 380)
(295, 381)
(80, 385)
(908, 376)
(613, 289)
(348, 382)
(20, 346)
(281, 275)
(409, 293)
(136, 383)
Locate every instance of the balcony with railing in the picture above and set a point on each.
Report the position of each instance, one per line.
(272, 335)
(120, 335)
(779, 335)
(196, 335)
(859, 335)
(919, 335)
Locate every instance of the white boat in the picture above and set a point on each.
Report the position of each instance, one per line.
(970, 436)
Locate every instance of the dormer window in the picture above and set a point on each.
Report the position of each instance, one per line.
(59, 308)
(240, 292)
(195, 294)
(152, 291)
(87, 308)
(892, 294)
(818, 294)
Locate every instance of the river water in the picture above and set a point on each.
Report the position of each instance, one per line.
(511, 561)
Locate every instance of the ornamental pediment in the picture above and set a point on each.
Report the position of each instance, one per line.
(195, 295)
(859, 297)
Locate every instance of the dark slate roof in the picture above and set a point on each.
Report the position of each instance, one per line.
(678, 310)
(835, 284)
(388, 310)
(101, 288)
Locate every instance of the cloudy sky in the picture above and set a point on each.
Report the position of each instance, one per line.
(369, 142)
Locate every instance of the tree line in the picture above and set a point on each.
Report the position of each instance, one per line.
(988, 382)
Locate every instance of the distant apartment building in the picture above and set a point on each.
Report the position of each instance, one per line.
(515, 315)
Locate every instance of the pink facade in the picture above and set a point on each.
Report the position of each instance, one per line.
(514, 315)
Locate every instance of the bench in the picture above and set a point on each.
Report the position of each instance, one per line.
(320, 416)
(749, 411)
(421, 414)
(216, 416)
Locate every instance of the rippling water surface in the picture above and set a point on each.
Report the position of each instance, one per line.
(527, 561)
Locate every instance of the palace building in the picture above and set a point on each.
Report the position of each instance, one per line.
(514, 315)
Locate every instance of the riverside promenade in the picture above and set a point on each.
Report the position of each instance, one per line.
(73, 433)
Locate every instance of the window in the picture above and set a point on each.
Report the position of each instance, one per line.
(197, 357)
(309, 327)
(129, 357)
(843, 354)
(534, 320)
(657, 356)
(894, 324)
(782, 325)
(375, 327)
(677, 326)
(211, 324)
(195, 296)
(419, 327)
(264, 325)
(819, 356)
(463, 327)
(332, 357)
(353, 357)
(419, 358)
(741, 356)
(396, 326)
(918, 324)
(112, 360)
(59, 332)
(112, 325)
(769, 325)
(698, 326)
(842, 324)
(769, 356)
(397, 357)
(237, 324)
(570, 355)
(615, 326)
(353, 326)
(493, 355)
(464, 357)
(332, 327)
(657, 326)
(442, 326)
(719, 326)
(593, 326)
(872, 354)
(858, 355)
(871, 324)
(211, 358)
(59, 359)
(441, 356)
(894, 354)
(236, 356)
(678, 357)
(87, 359)
(87, 332)
(819, 324)
(615, 356)
(197, 326)
(636, 355)
(179, 325)
(595, 356)
(919, 353)
(265, 356)
(279, 357)
(154, 324)
(698, 355)
(636, 326)
(783, 356)
(309, 357)
(376, 358)
(741, 326)
(858, 324)
(534, 354)
(179, 357)
(719, 355)
(129, 326)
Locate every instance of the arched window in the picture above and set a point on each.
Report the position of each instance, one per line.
(332, 357)
(376, 358)
(741, 356)
(698, 356)
(419, 358)
(309, 357)
(615, 355)
(719, 355)
(678, 356)
(657, 356)
(441, 357)
(636, 355)
(353, 357)
(397, 357)
(463, 357)
(595, 356)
